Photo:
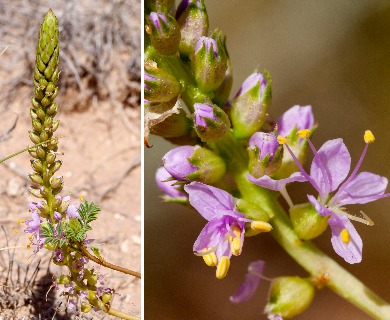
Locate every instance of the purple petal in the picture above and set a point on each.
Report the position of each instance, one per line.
(267, 143)
(210, 236)
(202, 112)
(295, 117)
(364, 187)
(177, 164)
(321, 210)
(277, 185)
(207, 199)
(72, 212)
(167, 186)
(331, 166)
(251, 82)
(249, 286)
(351, 251)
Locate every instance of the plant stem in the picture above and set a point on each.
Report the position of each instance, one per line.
(310, 257)
(106, 264)
(121, 314)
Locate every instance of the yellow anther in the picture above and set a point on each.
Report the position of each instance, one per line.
(368, 137)
(235, 246)
(22, 220)
(30, 238)
(303, 133)
(81, 197)
(28, 246)
(210, 259)
(281, 140)
(261, 226)
(345, 236)
(15, 231)
(18, 221)
(223, 267)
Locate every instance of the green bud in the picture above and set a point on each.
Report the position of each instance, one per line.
(106, 297)
(250, 105)
(52, 110)
(194, 23)
(44, 136)
(62, 208)
(36, 165)
(34, 137)
(50, 246)
(211, 122)
(35, 192)
(48, 122)
(92, 279)
(57, 202)
(164, 32)
(175, 125)
(45, 101)
(50, 158)
(307, 223)
(159, 85)
(41, 154)
(159, 5)
(35, 103)
(55, 126)
(33, 114)
(209, 62)
(37, 125)
(223, 92)
(57, 165)
(38, 94)
(289, 296)
(50, 89)
(252, 211)
(64, 279)
(85, 307)
(36, 178)
(211, 167)
(44, 191)
(40, 114)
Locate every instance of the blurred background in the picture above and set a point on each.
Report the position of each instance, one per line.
(333, 55)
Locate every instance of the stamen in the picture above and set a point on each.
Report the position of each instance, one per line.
(235, 246)
(344, 234)
(286, 196)
(365, 220)
(210, 259)
(223, 267)
(281, 140)
(206, 251)
(261, 226)
(368, 137)
(369, 221)
(303, 133)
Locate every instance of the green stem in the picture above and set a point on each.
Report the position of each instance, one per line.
(121, 314)
(310, 257)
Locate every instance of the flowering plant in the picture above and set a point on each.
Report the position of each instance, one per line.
(233, 164)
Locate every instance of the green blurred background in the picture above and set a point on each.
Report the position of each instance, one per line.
(334, 55)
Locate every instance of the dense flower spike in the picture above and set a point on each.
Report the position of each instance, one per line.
(223, 235)
(250, 105)
(252, 281)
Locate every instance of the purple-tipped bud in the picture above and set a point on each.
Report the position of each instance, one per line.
(168, 185)
(209, 62)
(223, 92)
(159, 85)
(192, 18)
(164, 32)
(294, 119)
(265, 154)
(159, 5)
(211, 122)
(250, 105)
(194, 163)
(289, 296)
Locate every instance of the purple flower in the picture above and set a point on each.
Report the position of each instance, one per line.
(72, 304)
(59, 255)
(155, 17)
(265, 142)
(223, 235)
(295, 118)
(166, 183)
(252, 281)
(33, 224)
(72, 212)
(177, 164)
(330, 167)
(57, 216)
(202, 112)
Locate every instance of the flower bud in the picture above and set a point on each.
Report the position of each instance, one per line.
(295, 119)
(44, 136)
(36, 178)
(37, 125)
(85, 307)
(168, 185)
(56, 166)
(159, 85)
(36, 192)
(92, 279)
(41, 154)
(48, 122)
(36, 165)
(307, 223)
(106, 297)
(34, 137)
(52, 110)
(50, 158)
(265, 154)
(249, 107)
(289, 296)
(164, 32)
(192, 18)
(211, 122)
(57, 182)
(40, 114)
(187, 163)
(64, 279)
(35, 103)
(209, 62)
